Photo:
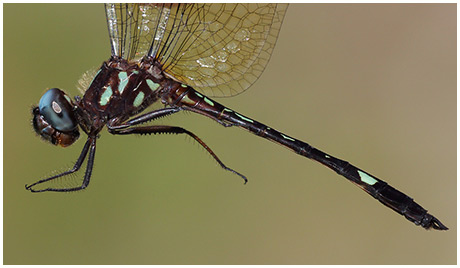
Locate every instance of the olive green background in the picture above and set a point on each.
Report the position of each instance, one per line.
(372, 84)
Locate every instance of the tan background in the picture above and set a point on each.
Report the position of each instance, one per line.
(372, 84)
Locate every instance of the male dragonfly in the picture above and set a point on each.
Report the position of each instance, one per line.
(175, 54)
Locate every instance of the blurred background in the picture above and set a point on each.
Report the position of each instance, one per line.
(374, 84)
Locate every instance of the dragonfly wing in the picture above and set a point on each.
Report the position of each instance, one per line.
(222, 49)
(219, 49)
(131, 28)
(121, 21)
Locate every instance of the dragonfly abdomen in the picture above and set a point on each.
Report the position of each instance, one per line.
(379, 189)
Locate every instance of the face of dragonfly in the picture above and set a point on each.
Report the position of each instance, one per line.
(54, 119)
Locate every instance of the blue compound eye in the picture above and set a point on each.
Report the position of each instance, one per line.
(56, 108)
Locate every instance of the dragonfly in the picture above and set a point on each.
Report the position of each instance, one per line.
(181, 55)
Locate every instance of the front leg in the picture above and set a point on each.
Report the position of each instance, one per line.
(173, 130)
(90, 146)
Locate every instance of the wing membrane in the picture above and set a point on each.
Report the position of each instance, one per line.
(219, 49)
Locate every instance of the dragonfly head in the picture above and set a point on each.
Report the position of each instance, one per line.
(54, 118)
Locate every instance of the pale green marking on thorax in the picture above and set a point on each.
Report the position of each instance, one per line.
(228, 110)
(366, 178)
(244, 118)
(287, 137)
(138, 100)
(135, 72)
(106, 96)
(183, 85)
(123, 76)
(152, 85)
(199, 95)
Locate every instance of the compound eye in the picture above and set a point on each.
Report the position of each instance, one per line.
(56, 108)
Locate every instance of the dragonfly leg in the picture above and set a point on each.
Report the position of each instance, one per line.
(222, 122)
(145, 118)
(90, 146)
(173, 130)
(162, 113)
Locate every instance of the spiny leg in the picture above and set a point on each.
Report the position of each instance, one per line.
(218, 120)
(90, 146)
(144, 118)
(174, 130)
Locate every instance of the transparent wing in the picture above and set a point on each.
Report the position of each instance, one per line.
(219, 49)
(123, 25)
(134, 27)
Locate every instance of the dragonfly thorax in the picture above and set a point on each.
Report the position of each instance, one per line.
(120, 90)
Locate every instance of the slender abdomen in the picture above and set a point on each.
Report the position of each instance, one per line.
(188, 98)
